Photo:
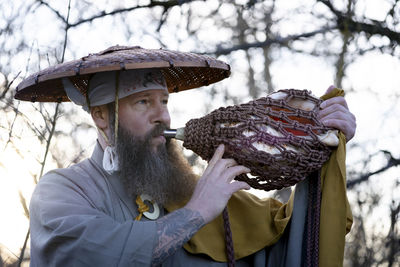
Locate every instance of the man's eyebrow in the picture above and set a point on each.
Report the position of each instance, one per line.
(141, 94)
(146, 94)
(165, 94)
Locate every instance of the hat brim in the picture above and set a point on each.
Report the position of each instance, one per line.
(182, 71)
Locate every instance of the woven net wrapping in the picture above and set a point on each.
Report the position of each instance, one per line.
(277, 141)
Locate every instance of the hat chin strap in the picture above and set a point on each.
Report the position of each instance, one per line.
(110, 157)
(110, 160)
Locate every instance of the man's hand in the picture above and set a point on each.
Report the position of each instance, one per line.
(335, 113)
(210, 197)
(216, 186)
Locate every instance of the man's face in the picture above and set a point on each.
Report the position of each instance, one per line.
(139, 113)
(148, 163)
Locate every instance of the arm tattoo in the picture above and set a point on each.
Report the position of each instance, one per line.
(173, 231)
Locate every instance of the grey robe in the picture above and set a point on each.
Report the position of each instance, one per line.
(81, 216)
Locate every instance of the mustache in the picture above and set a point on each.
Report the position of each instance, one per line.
(158, 130)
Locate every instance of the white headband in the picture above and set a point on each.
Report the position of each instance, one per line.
(102, 86)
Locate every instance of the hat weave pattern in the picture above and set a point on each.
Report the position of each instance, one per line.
(181, 70)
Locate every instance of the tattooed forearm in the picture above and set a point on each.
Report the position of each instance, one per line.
(174, 230)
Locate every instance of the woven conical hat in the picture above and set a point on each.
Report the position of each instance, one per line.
(181, 70)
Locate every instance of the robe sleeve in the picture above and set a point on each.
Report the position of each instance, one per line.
(69, 229)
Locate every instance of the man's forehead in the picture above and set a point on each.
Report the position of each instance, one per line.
(148, 93)
(104, 87)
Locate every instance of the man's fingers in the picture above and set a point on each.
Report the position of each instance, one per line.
(226, 163)
(335, 113)
(217, 163)
(335, 110)
(334, 100)
(335, 123)
(330, 89)
(239, 185)
(234, 171)
(345, 126)
(219, 152)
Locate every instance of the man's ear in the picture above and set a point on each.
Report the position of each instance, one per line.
(100, 116)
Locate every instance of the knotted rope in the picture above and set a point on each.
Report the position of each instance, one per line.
(311, 240)
(230, 252)
(278, 142)
(142, 207)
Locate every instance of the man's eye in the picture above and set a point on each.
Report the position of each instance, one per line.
(165, 101)
(142, 101)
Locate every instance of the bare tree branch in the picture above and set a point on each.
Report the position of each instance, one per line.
(8, 86)
(163, 18)
(277, 40)
(49, 138)
(21, 257)
(341, 64)
(61, 17)
(393, 240)
(165, 4)
(8, 105)
(392, 162)
(10, 132)
(345, 22)
(267, 51)
(66, 32)
(242, 26)
(23, 203)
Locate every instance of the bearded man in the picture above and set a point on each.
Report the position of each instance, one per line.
(109, 210)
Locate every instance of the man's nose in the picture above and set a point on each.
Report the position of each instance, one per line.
(161, 115)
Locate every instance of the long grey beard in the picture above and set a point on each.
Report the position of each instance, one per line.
(163, 174)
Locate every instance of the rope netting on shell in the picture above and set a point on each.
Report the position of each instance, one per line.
(278, 137)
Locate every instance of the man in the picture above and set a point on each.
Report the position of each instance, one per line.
(92, 213)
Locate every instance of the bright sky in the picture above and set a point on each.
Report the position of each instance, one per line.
(373, 71)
